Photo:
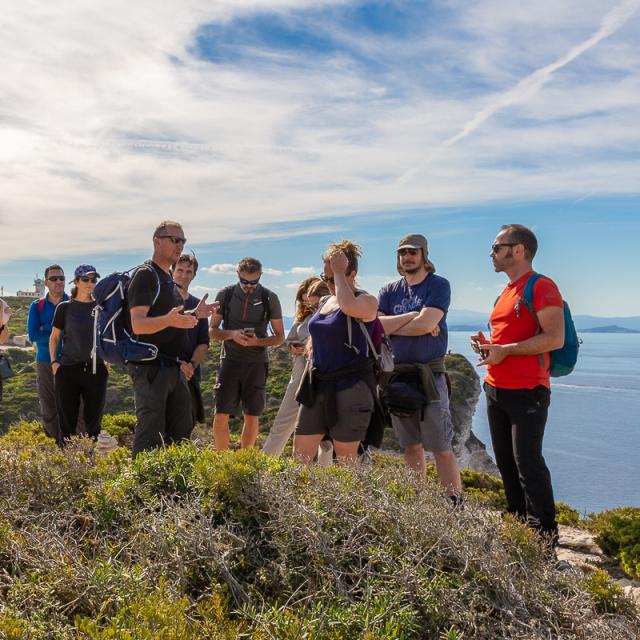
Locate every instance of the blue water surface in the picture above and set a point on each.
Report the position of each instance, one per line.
(592, 440)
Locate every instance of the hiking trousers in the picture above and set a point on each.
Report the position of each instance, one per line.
(163, 406)
(77, 385)
(517, 419)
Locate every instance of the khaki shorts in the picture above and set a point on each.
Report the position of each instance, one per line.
(354, 409)
(435, 431)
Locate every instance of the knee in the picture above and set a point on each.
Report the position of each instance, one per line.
(414, 450)
(444, 456)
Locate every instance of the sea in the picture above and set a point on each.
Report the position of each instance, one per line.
(592, 438)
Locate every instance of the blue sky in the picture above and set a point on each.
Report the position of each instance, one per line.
(269, 127)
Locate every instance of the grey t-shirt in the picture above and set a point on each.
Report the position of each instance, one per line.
(247, 311)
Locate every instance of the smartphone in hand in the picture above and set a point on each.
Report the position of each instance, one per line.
(249, 332)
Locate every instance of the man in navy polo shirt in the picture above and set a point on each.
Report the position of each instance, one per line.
(413, 312)
(184, 271)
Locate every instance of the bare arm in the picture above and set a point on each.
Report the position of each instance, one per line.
(216, 333)
(197, 357)
(392, 324)
(425, 322)
(364, 306)
(142, 324)
(270, 341)
(551, 337)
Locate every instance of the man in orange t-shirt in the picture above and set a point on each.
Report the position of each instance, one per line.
(517, 383)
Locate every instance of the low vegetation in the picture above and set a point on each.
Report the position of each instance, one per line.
(190, 543)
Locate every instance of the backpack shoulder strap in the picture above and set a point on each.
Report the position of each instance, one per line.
(372, 347)
(527, 296)
(147, 267)
(226, 301)
(266, 303)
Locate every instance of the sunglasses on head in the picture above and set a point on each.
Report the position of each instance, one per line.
(88, 279)
(56, 278)
(175, 239)
(326, 278)
(411, 252)
(245, 281)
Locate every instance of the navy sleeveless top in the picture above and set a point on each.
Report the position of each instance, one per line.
(329, 336)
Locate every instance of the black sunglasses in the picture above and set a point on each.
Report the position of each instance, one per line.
(326, 278)
(245, 281)
(496, 246)
(175, 239)
(88, 279)
(411, 252)
(56, 278)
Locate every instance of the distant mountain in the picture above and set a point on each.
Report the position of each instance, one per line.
(611, 328)
(588, 322)
(466, 320)
(478, 320)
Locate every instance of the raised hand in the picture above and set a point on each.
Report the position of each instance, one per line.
(179, 320)
(204, 310)
(338, 262)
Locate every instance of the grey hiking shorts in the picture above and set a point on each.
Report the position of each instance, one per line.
(354, 408)
(435, 431)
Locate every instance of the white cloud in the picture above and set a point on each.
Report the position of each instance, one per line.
(292, 285)
(109, 123)
(202, 289)
(224, 267)
(613, 21)
(303, 270)
(272, 272)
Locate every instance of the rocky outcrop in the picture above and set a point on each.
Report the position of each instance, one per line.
(465, 391)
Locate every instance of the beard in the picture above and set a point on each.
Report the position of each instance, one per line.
(411, 270)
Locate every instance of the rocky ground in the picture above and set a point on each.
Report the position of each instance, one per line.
(578, 548)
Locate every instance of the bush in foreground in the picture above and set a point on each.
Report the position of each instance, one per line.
(190, 543)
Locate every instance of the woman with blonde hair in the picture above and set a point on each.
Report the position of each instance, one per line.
(308, 296)
(337, 390)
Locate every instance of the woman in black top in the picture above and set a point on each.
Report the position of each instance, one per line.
(73, 373)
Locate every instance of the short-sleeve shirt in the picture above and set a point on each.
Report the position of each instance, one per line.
(142, 289)
(246, 311)
(74, 319)
(400, 297)
(198, 334)
(511, 322)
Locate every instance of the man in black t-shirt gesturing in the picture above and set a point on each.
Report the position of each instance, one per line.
(162, 397)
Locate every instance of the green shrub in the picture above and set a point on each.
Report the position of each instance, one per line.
(608, 596)
(618, 534)
(119, 424)
(567, 515)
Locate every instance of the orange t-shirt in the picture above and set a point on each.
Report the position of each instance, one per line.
(512, 322)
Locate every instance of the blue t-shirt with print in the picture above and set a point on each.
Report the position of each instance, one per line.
(399, 297)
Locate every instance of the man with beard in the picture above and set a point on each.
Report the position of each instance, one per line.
(413, 312)
(517, 384)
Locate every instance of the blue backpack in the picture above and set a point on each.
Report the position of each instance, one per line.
(563, 360)
(113, 340)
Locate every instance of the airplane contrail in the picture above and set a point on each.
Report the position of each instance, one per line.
(610, 24)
